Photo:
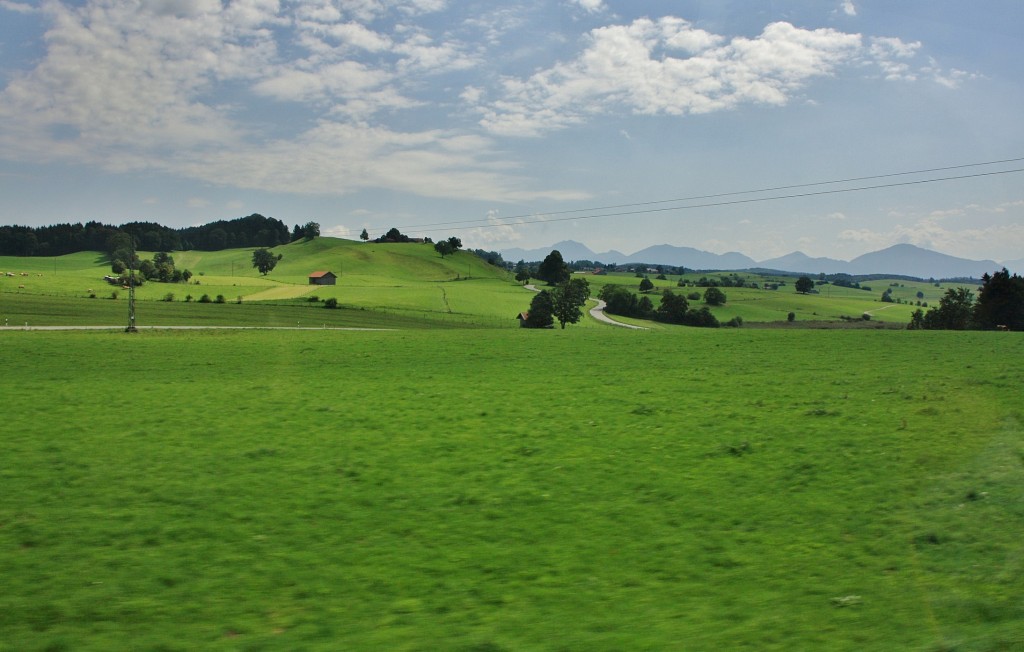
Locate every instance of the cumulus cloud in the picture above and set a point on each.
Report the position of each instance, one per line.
(669, 67)
(136, 85)
(497, 231)
(18, 7)
(848, 8)
(590, 6)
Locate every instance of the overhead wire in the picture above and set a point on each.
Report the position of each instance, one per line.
(545, 218)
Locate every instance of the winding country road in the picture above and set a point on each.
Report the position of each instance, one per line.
(597, 312)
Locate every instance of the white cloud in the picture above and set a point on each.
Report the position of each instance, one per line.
(590, 6)
(497, 231)
(669, 67)
(959, 230)
(848, 8)
(18, 7)
(197, 202)
(338, 231)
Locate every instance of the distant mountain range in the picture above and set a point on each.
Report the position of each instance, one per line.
(899, 260)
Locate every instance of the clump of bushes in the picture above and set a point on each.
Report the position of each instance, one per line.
(205, 299)
(168, 297)
(331, 303)
(219, 299)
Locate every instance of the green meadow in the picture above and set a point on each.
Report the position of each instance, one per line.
(500, 489)
(457, 483)
(382, 285)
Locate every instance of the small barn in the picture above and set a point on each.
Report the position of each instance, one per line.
(322, 278)
(522, 317)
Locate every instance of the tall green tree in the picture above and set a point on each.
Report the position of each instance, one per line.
(1000, 301)
(442, 247)
(714, 297)
(541, 311)
(804, 285)
(553, 269)
(568, 299)
(955, 311)
(672, 308)
(265, 261)
(365, 235)
(310, 231)
(646, 285)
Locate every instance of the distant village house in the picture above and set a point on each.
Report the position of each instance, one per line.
(322, 278)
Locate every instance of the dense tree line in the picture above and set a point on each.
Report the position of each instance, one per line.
(672, 309)
(564, 302)
(1000, 304)
(59, 239)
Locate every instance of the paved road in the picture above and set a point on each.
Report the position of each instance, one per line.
(597, 312)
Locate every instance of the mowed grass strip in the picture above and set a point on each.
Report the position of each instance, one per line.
(588, 489)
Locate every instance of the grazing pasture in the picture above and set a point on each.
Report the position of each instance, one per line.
(391, 284)
(587, 489)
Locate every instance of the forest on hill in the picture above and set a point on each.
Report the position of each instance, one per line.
(59, 239)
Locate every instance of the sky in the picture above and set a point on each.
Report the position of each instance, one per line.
(521, 123)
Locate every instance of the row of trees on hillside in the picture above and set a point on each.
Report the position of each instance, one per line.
(57, 240)
(999, 304)
(672, 308)
(564, 302)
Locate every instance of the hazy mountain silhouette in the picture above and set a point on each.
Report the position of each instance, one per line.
(900, 260)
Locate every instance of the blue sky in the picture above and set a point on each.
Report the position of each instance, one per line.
(490, 120)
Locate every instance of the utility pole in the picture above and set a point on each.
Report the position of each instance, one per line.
(131, 290)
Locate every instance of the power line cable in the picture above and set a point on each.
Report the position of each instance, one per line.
(733, 202)
(484, 221)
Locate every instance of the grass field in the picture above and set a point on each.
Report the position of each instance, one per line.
(390, 284)
(587, 489)
(405, 284)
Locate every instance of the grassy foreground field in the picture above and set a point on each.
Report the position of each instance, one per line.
(592, 489)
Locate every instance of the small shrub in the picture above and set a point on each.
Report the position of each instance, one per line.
(791, 316)
(188, 298)
(331, 303)
(204, 299)
(866, 316)
(313, 299)
(693, 296)
(113, 295)
(92, 295)
(735, 322)
(169, 297)
(219, 299)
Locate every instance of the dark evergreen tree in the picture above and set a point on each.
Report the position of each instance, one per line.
(553, 269)
(541, 311)
(1000, 301)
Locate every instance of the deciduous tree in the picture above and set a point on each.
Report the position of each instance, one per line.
(714, 297)
(568, 299)
(265, 261)
(804, 285)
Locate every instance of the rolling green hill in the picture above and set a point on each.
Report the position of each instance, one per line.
(388, 284)
(406, 283)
